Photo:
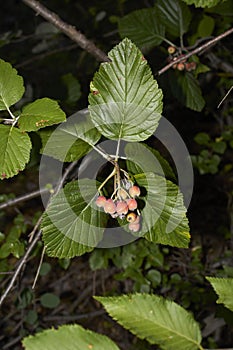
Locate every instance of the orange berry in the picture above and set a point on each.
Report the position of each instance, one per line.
(134, 227)
(132, 204)
(134, 191)
(109, 206)
(122, 207)
(100, 201)
(180, 66)
(131, 217)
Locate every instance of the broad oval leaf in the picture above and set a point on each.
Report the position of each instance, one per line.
(72, 224)
(125, 102)
(68, 337)
(15, 151)
(155, 319)
(70, 141)
(143, 28)
(202, 3)
(187, 90)
(164, 215)
(175, 15)
(223, 287)
(39, 114)
(11, 85)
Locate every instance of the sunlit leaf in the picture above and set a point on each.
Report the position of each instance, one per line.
(202, 3)
(155, 319)
(68, 337)
(39, 114)
(143, 28)
(72, 224)
(15, 151)
(125, 102)
(11, 85)
(223, 287)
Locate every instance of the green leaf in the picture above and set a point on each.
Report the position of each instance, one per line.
(143, 28)
(202, 3)
(68, 337)
(72, 223)
(39, 114)
(125, 102)
(223, 287)
(142, 158)
(15, 151)
(164, 215)
(73, 88)
(71, 140)
(175, 15)
(202, 138)
(11, 85)
(155, 319)
(49, 300)
(206, 26)
(187, 90)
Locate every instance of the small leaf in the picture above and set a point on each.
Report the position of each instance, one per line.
(15, 151)
(206, 26)
(39, 114)
(175, 15)
(164, 215)
(72, 225)
(187, 90)
(223, 287)
(202, 138)
(73, 88)
(49, 300)
(11, 85)
(69, 337)
(125, 102)
(155, 319)
(202, 3)
(71, 140)
(143, 28)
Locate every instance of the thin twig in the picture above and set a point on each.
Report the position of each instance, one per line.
(24, 198)
(34, 238)
(228, 92)
(68, 29)
(199, 49)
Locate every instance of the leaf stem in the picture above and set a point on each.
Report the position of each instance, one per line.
(108, 178)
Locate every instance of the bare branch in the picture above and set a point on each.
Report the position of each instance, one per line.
(68, 29)
(199, 49)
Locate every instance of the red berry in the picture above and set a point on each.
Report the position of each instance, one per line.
(122, 207)
(132, 204)
(134, 191)
(100, 201)
(180, 66)
(134, 227)
(109, 206)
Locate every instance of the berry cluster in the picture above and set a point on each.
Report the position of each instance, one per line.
(182, 65)
(123, 205)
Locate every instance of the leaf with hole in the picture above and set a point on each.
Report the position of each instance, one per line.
(39, 114)
(155, 319)
(15, 151)
(143, 28)
(11, 85)
(125, 102)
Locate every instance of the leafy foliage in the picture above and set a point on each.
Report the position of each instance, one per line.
(68, 337)
(202, 3)
(155, 319)
(223, 287)
(125, 102)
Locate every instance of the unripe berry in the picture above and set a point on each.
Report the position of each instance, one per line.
(132, 204)
(109, 206)
(100, 201)
(134, 227)
(134, 191)
(171, 49)
(122, 194)
(131, 217)
(122, 207)
(180, 66)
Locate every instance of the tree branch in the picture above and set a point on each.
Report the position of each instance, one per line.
(68, 29)
(199, 49)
